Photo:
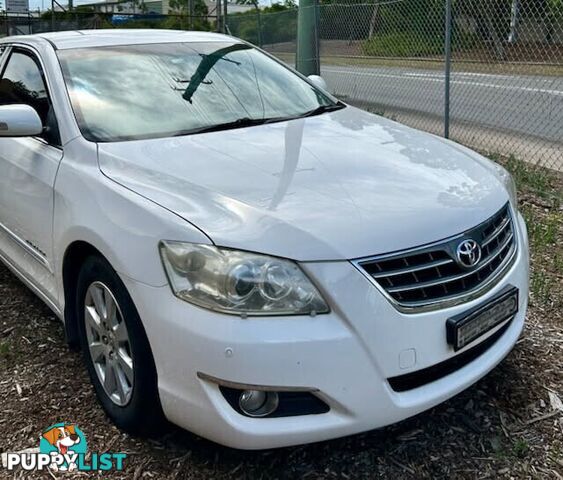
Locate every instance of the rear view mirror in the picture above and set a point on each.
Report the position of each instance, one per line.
(19, 121)
(318, 81)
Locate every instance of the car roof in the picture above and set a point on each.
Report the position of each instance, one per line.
(115, 37)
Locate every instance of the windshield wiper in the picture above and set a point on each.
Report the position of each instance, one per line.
(252, 122)
(239, 123)
(322, 109)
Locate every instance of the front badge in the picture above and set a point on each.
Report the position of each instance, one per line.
(468, 253)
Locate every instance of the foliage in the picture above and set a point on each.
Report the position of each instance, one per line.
(359, 20)
(402, 44)
(540, 196)
(409, 44)
(277, 24)
(286, 4)
(78, 11)
(183, 7)
(182, 20)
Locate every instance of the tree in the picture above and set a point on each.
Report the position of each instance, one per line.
(183, 6)
(193, 10)
(554, 14)
(492, 18)
(256, 6)
(268, 25)
(497, 20)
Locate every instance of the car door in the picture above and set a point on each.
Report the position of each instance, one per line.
(28, 167)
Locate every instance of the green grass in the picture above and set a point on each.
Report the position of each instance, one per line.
(541, 286)
(402, 44)
(558, 261)
(544, 232)
(4, 349)
(530, 177)
(540, 193)
(520, 448)
(503, 450)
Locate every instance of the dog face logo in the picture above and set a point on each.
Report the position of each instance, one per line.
(62, 437)
(64, 441)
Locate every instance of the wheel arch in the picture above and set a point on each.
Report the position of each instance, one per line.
(75, 255)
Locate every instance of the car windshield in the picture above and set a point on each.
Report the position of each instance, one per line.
(162, 90)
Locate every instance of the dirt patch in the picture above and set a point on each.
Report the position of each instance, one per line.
(505, 426)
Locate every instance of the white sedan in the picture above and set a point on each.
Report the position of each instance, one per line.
(234, 249)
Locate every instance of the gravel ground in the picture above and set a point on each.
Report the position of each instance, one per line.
(508, 425)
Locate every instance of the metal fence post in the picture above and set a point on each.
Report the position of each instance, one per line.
(514, 20)
(260, 37)
(191, 14)
(448, 67)
(307, 59)
(218, 16)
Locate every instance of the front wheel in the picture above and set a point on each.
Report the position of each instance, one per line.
(116, 349)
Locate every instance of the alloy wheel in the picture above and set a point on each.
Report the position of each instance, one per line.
(108, 343)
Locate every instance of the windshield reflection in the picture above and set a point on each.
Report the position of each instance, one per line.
(150, 91)
(207, 63)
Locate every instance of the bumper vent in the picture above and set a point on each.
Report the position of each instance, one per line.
(434, 276)
(410, 381)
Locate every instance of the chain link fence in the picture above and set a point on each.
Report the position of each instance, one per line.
(506, 78)
(388, 56)
(275, 32)
(61, 21)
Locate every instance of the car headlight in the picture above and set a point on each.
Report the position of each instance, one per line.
(237, 282)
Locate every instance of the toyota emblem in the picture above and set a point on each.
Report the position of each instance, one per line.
(468, 253)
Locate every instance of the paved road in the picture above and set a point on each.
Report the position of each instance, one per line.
(530, 105)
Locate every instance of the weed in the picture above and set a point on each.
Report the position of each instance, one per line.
(520, 448)
(531, 178)
(558, 262)
(543, 234)
(541, 193)
(4, 349)
(541, 286)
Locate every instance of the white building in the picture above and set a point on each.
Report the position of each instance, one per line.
(160, 7)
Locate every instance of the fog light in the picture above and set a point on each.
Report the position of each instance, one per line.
(258, 403)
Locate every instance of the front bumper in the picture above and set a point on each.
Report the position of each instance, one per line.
(347, 356)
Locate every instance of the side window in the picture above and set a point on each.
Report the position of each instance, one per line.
(3, 49)
(22, 83)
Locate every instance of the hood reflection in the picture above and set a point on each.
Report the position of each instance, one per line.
(336, 191)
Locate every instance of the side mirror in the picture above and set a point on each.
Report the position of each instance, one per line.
(318, 81)
(19, 121)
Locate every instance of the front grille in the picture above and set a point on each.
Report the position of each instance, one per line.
(432, 276)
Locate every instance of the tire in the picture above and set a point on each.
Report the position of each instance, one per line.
(136, 410)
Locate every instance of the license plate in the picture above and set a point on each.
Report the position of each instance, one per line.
(463, 329)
